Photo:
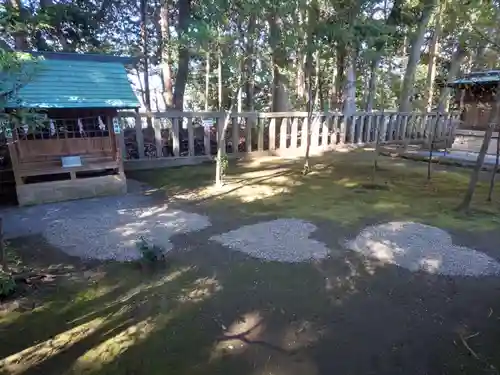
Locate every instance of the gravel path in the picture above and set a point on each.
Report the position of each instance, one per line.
(103, 228)
(282, 240)
(419, 247)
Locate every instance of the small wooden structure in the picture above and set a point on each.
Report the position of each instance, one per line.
(77, 153)
(474, 94)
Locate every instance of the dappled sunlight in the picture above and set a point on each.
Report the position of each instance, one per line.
(107, 351)
(144, 287)
(419, 247)
(301, 334)
(200, 290)
(236, 338)
(20, 362)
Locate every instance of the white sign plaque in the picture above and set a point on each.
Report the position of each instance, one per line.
(71, 161)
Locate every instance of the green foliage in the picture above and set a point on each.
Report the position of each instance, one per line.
(151, 254)
(7, 284)
(224, 164)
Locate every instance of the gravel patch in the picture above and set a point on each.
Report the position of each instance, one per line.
(103, 228)
(419, 247)
(282, 240)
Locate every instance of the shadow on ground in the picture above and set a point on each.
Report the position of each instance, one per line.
(216, 311)
(211, 310)
(343, 188)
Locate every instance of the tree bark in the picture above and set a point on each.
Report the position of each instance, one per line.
(166, 56)
(372, 84)
(281, 100)
(144, 40)
(20, 39)
(474, 177)
(495, 168)
(249, 63)
(219, 79)
(456, 61)
(207, 80)
(3, 255)
(349, 106)
(184, 15)
(414, 58)
(433, 52)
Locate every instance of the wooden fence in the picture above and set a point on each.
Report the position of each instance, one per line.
(159, 139)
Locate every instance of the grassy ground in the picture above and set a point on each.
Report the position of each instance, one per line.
(342, 188)
(210, 310)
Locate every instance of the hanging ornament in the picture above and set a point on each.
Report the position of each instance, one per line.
(102, 126)
(52, 128)
(80, 126)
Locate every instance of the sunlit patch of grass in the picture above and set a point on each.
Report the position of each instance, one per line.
(342, 188)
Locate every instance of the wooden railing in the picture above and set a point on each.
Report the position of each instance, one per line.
(177, 138)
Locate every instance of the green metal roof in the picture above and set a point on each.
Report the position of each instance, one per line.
(478, 78)
(76, 81)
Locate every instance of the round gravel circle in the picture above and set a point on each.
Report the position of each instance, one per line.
(105, 228)
(420, 247)
(282, 240)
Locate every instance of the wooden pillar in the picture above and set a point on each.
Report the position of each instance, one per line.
(175, 135)
(283, 133)
(235, 128)
(139, 136)
(325, 125)
(293, 135)
(248, 135)
(190, 136)
(260, 133)
(272, 134)
(14, 157)
(206, 138)
(158, 138)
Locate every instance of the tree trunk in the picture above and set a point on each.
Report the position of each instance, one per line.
(3, 255)
(20, 39)
(372, 84)
(207, 81)
(219, 79)
(332, 93)
(349, 106)
(456, 61)
(144, 40)
(249, 59)
(474, 177)
(495, 168)
(414, 58)
(281, 100)
(433, 52)
(311, 20)
(184, 14)
(166, 58)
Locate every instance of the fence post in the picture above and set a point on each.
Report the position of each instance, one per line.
(283, 133)
(248, 131)
(139, 137)
(272, 134)
(206, 139)
(190, 136)
(369, 128)
(158, 140)
(235, 128)
(294, 131)
(260, 134)
(175, 135)
(316, 123)
(304, 133)
(325, 128)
